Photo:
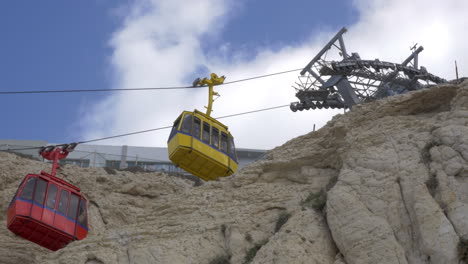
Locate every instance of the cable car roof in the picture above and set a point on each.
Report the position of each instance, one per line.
(211, 119)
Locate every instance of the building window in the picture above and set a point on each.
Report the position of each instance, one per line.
(147, 165)
(82, 163)
(113, 164)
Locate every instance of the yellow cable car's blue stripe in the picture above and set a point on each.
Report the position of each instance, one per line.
(209, 145)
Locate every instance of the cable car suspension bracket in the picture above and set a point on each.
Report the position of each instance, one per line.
(55, 153)
(214, 80)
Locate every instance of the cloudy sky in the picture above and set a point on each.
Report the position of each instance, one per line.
(107, 44)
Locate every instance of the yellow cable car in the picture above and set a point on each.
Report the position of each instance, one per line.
(200, 144)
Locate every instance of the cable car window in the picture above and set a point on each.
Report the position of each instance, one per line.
(73, 206)
(196, 127)
(206, 132)
(232, 148)
(215, 137)
(17, 191)
(39, 195)
(51, 196)
(174, 128)
(28, 189)
(224, 142)
(187, 123)
(63, 202)
(82, 213)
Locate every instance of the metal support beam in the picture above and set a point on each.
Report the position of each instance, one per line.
(413, 55)
(327, 47)
(344, 88)
(343, 48)
(316, 76)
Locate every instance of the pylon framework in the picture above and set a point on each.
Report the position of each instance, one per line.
(342, 84)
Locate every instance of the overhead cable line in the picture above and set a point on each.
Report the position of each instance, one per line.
(260, 76)
(124, 135)
(151, 130)
(29, 148)
(9, 149)
(144, 88)
(254, 111)
(166, 127)
(142, 159)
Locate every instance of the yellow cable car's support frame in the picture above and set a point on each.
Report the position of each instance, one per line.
(182, 152)
(215, 80)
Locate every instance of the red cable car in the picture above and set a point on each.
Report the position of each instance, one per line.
(48, 210)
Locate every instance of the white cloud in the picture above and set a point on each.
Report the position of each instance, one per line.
(386, 29)
(160, 42)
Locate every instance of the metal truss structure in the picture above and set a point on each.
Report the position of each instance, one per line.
(342, 84)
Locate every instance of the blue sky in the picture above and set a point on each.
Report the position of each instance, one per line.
(257, 24)
(64, 45)
(51, 46)
(108, 44)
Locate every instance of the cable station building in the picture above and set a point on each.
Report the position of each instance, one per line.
(119, 157)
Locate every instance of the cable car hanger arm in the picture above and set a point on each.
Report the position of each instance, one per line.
(214, 80)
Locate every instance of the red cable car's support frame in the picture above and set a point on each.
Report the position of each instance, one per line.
(55, 154)
(40, 223)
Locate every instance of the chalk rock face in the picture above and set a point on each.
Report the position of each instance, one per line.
(384, 183)
(305, 238)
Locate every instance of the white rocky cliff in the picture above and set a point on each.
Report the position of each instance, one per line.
(384, 183)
